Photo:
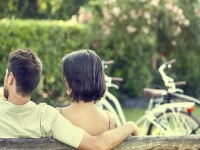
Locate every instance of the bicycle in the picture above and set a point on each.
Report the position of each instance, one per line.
(105, 102)
(169, 111)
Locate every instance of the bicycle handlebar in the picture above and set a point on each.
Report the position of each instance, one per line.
(170, 62)
(169, 82)
(117, 79)
(110, 79)
(109, 62)
(180, 83)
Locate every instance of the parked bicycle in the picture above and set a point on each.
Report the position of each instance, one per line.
(109, 101)
(169, 111)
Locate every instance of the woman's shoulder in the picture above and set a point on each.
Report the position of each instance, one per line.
(112, 120)
(109, 117)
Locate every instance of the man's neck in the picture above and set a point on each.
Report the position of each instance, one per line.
(18, 99)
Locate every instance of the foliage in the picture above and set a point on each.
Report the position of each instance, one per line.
(51, 40)
(187, 50)
(137, 34)
(142, 34)
(40, 9)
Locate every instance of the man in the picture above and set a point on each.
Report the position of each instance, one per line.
(20, 117)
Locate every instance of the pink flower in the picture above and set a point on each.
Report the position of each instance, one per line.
(95, 45)
(116, 11)
(131, 29)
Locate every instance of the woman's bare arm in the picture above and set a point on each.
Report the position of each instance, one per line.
(109, 139)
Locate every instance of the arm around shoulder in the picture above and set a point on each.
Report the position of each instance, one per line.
(134, 127)
(109, 139)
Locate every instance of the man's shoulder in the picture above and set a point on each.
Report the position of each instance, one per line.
(4, 103)
(45, 108)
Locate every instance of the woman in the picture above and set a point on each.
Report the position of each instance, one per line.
(84, 80)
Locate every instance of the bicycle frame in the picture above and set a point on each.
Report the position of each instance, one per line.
(150, 116)
(151, 113)
(116, 110)
(161, 107)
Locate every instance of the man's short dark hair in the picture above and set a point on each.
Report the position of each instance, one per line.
(27, 69)
(84, 74)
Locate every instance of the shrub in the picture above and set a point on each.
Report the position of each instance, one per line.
(51, 40)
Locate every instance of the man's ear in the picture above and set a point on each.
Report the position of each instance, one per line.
(11, 78)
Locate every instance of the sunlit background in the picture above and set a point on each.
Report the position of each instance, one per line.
(139, 35)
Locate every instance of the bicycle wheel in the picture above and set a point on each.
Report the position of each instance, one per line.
(175, 123)
(143, 125)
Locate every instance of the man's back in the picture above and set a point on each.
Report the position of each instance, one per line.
(24, 120)
(36, 121)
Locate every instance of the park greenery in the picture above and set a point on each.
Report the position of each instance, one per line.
(138, 35)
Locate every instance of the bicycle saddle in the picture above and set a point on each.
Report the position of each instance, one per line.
(154, 93)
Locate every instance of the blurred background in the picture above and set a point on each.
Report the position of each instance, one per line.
(139, 35)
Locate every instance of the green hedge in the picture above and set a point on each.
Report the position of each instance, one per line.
(51, 40)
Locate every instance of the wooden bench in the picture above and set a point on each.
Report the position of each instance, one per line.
(190, 142)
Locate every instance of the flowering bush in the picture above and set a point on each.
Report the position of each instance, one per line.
(136, 33)
(136, 30)
(161, 20)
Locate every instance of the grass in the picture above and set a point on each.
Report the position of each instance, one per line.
(133, 113)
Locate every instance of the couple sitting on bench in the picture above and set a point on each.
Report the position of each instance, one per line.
(80, 125)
